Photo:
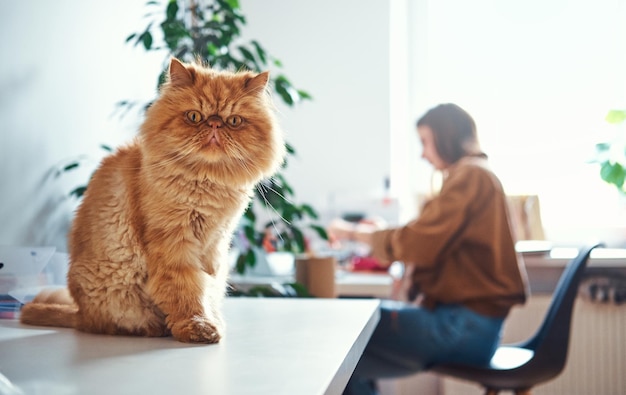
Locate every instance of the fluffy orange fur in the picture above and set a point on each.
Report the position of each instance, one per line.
(149, 243)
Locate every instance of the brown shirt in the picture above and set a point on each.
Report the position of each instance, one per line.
(460, 249)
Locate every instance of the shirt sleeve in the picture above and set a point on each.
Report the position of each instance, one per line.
(441, 222)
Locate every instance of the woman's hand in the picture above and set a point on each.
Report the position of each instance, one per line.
(361, 232)
(340, 229)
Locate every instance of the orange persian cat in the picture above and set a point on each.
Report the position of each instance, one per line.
(149, 243)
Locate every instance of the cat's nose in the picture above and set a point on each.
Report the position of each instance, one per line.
(215, 122)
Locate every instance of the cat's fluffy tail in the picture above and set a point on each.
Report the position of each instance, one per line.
(54, 308)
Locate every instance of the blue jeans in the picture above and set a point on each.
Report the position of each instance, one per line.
(409, 339)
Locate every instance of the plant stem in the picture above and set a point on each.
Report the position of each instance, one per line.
(193, 8)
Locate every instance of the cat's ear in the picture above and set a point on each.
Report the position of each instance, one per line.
(179, 74)
(259, 82)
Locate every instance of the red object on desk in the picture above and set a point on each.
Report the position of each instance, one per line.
(367, 263)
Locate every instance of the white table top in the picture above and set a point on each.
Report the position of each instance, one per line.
(559, 256)
(272, 346)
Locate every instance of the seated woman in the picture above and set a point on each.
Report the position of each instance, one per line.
(460, 260)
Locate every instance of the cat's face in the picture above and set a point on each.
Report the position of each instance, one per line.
(219, 124)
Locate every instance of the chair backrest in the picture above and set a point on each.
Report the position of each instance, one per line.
(551, 341)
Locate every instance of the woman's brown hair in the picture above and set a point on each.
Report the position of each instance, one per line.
(454, 132)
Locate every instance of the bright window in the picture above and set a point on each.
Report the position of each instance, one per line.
(538, 76)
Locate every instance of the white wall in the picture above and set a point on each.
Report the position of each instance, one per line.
(65, 65)
(338, 51)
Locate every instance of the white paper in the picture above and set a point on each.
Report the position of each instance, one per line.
(21, 267)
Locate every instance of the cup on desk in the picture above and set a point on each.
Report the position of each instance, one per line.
(317, 274)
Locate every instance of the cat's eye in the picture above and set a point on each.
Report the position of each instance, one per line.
(194, 116)
(234, 121)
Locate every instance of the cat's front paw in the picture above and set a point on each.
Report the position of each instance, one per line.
(196, 330)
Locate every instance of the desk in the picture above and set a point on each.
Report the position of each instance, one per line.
(544, 270)
(272, 346)
(375, 285)
(347, 284)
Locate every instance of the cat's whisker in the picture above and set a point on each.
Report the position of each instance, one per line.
(243, 161)
(278, 193)
(235, 152)
(238, 153)
(268, 204)
(246, 168)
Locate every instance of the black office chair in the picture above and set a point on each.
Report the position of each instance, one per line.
(518, 367)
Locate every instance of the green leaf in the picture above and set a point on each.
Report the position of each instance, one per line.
(250, 258)
(78, 192)
(249, 57)
(287, 189)
(262, 290)
(130, 37)
(260, 52)
(603, 147)
(173, 32)
(212, 49)
(288, 212)
(71, 166)
(616, 116)
(305, 95)
(290, 149)
(146, 39)
(172, 10)
(162, 79)
(249, 232)
(310, 211)
(234, 4)
(284, 88)
(300, 289)
(286, 242)
(613, 173)
(249, 214)
(240, 264)
(321, 231)
(299, 239)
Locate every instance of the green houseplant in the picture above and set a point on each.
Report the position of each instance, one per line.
(209, 31)
(611, 155)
